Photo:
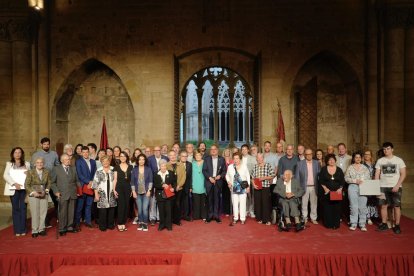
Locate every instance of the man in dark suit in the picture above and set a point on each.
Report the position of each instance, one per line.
(64, 185)
(307, 172)
(187, 187)
(85, 168)
(214, 171)
(153, 163)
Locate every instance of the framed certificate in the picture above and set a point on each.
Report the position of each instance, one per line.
(370, 187)
(19, 177)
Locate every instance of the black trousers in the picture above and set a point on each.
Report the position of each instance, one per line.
(164, 208)
(106, 218)
(177, 207)
(273, 196)
(331, 212)
(213, 198)
(186, 204)
(123, 204)
(199, 206)
(262, 204)
(225, 199)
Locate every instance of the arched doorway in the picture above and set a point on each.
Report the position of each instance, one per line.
(217, 107)
(329, 103)
(89, 93)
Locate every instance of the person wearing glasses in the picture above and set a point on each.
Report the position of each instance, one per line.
(391, 170)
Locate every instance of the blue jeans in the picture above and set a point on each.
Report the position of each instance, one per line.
(19, 211)
(87, 200)
(142, 205)
(357, 205)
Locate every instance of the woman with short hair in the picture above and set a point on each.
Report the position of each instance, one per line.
(331, 180)
(37, 186)
(237, 174)
(103, 186)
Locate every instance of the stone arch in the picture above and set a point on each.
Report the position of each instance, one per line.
(90, 71)
(329, 102)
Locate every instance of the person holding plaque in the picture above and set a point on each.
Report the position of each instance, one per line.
(37, 186)
(15, 176)
(355, 176)
(330, 183)
(165, 182)
(262, 175)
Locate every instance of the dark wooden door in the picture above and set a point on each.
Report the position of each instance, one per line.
(306, 112)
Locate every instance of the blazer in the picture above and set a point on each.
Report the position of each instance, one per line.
(152, 162)
(179, 174)
(302, 173)
(169, 179)
(208, 172)
(65, 183)
(9, 180)
(33, 180)
(297, 189)
(84, 174)
(148, 178)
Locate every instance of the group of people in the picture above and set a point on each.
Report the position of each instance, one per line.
(157, 185)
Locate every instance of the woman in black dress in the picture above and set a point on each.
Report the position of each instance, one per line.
(331, 178)
(162, 179)
(122, 187)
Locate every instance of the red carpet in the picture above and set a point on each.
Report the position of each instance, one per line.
(314, 251)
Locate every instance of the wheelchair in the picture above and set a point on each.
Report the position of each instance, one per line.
(277, 216)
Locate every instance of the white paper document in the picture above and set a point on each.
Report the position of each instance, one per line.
(370, 187)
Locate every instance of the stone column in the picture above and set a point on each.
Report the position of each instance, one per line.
(394, 85)
(6, 97)
(409, 85)
(231, 91)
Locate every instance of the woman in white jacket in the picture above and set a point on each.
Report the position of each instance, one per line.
(15, 175)
(236, 174)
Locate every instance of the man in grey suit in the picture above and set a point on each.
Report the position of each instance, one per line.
(307, 172)
(65, 184)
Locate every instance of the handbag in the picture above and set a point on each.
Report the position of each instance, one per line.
(333, 195)
(244, 184)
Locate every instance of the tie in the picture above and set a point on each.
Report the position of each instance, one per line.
(67, 170)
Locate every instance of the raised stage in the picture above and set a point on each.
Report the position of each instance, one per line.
(196, 248)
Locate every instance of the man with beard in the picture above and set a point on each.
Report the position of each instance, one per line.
(51, 159)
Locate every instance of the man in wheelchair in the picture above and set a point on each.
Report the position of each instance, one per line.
(289, 192)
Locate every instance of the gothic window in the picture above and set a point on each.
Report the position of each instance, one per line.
(226, 108)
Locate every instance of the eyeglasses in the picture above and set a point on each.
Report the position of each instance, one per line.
(387, 148)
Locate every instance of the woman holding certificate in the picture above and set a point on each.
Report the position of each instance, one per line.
(331, 180)
(15, 176)
(165, 182)
(37, 188)
(355, 176)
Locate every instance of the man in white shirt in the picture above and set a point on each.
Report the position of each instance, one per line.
(391, 170)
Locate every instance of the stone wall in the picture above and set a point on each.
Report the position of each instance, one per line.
(46, 82)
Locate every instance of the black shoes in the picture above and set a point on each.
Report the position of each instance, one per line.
(63, 233)
(382, 227)
(89, 225)
(207, 221)
(300, 226)
(34, 235)
(218, 220)
(42, 233)
(397, 229)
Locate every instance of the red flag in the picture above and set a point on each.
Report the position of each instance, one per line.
(280, 125)
(104, 136)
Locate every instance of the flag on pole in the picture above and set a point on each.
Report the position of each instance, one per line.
(280, 125)
(104, 136)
